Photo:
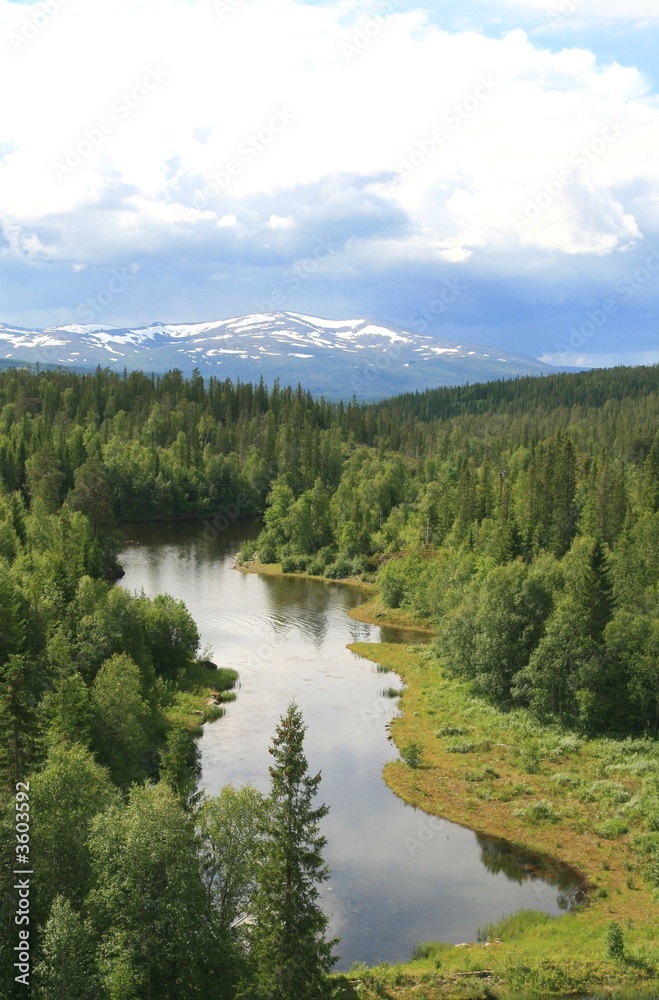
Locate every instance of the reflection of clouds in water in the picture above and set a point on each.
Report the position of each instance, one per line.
(287, 638)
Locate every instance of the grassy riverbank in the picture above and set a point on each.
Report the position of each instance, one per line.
(548, 791)
(583, 802)
(274, 569)
(199, 695)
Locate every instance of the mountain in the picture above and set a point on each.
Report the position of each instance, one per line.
(337, 358)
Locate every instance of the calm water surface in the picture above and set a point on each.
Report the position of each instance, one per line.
(397, 876)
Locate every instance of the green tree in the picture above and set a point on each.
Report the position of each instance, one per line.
(594, 590)
(180, 764)
(230, 827)
(44, 478)
(291, 955)
(149, 902)
(170, 633)
(67, 968)
(120, 718)
(70, 715)
(18, 734)
(91, 494)
(66, 796)
(559, 664)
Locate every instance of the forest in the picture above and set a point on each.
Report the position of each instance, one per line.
(519, 519)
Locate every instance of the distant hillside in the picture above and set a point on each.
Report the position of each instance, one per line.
(371, 359)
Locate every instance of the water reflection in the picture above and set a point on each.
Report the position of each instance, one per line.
(545, 874)
(398, 876)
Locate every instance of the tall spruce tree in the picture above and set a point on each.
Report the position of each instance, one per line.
(291, 955)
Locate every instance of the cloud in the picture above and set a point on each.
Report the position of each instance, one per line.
(577, 14)
(576, 360)
(223, 141)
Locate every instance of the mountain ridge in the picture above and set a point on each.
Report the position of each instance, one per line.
(367, 357)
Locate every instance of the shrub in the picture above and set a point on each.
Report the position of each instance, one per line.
(531, 758)
(540, 811)
(391, 580)
(460, 746)
(450, 730)
(340, 568)
(267, 548)
(612, 828)
(319, 562)
(412, 754)
(615, 941)
(247, 552)
(484, 775)
(565, 780)
(294, 562)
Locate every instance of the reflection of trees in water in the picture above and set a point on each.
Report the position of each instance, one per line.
(298, 604)
(502, 857)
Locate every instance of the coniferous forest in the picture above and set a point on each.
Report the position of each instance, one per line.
(519, 520)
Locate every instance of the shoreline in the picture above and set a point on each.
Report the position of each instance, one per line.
(481, 788)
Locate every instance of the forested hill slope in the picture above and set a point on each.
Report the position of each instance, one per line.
(170, 446)
(592, 388)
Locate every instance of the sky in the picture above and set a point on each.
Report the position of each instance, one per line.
(486, 171)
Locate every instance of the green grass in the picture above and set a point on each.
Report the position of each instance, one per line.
(189, 701)
(551, 791)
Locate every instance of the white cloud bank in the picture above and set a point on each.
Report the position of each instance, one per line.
(161, 123)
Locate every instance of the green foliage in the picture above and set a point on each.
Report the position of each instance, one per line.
(513, 925)
(615, 942)
(288, 945)
(180, 765)
(539, 812)
(149, 896)
(66, 796)
(412, 754)
(120, 719)
(610, 829)
(67, 969)
(230, 827)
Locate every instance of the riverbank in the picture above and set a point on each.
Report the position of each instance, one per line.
(541, 788)
(274, 569)
(199, 695)
(371, 612)
(545, 790)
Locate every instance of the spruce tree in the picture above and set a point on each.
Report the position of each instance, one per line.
(291, 955)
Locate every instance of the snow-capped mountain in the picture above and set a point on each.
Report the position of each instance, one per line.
(337, 358)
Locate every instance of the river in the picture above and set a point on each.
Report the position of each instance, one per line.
(398, 877)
